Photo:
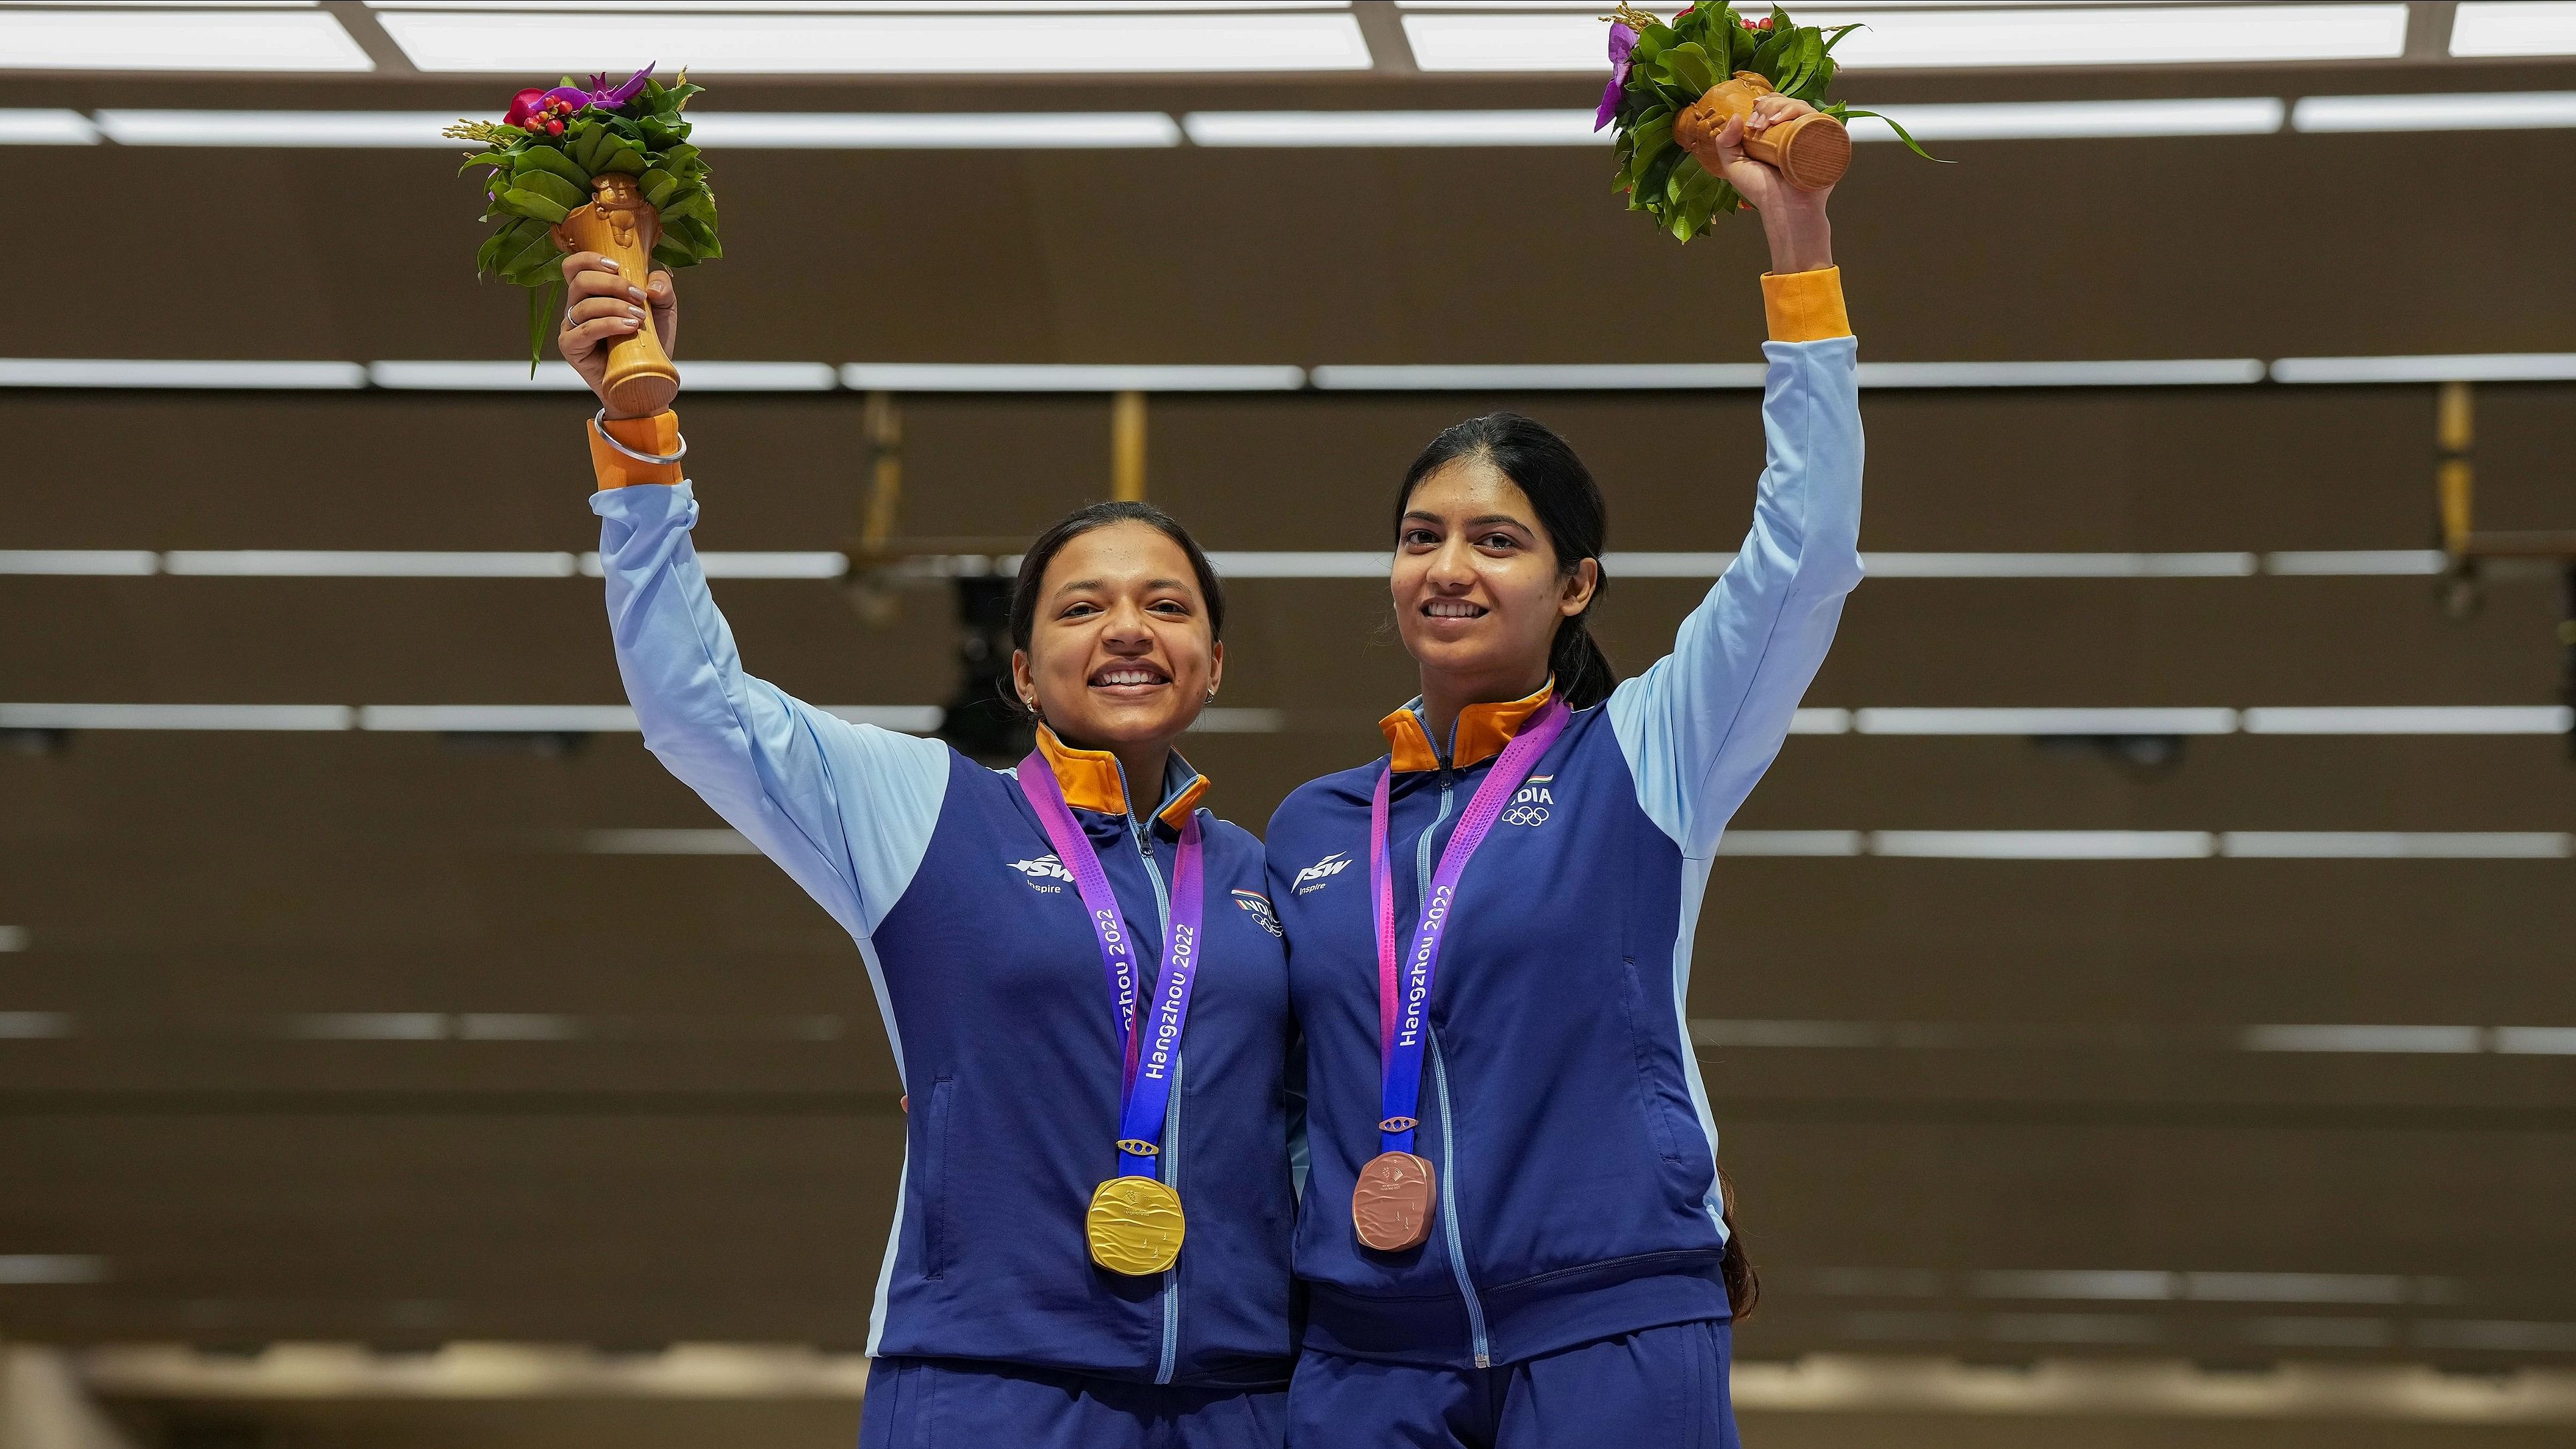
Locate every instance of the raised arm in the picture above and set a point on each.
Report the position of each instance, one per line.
(1700, 726)
(845, 809)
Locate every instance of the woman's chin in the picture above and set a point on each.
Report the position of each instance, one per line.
(1109, 723)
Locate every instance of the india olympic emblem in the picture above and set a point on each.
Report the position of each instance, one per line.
(1530, 806)
(1525, 815)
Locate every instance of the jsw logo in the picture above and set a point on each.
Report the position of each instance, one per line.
(1045, 867)
(1312, 878)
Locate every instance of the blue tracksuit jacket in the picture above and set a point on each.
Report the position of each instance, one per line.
(1561, 1104)
(989, 977)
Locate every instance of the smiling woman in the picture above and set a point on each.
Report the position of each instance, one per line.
(1538, 1247)
(1072, 1263)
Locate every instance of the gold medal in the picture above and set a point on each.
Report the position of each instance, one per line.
(1134, 1226)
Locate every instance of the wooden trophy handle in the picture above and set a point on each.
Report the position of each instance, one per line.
(1811, 152)
(621, 226)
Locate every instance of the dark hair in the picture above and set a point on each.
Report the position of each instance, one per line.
(1033, 564)
(1569, 506)
(1743, 1285)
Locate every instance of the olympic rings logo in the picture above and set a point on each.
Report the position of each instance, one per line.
(1525, 815)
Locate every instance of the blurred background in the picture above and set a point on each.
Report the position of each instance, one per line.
(2138, 1003)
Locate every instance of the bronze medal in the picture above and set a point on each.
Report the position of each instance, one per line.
(1391, 1205)
(1134, 1226)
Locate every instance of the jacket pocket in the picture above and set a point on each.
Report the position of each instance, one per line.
(935, 1226)
(1641, 1044)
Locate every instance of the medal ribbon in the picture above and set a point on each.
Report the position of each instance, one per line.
(1404, 989)
(1145, 1073)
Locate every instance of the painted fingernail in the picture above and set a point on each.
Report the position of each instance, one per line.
(635, 312)
(635, 292)
(607, 264)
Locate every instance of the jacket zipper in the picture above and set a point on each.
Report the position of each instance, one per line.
(1171, 1154)
(1448, 1130)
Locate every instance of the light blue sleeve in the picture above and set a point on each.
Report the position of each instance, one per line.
(1700, 727)
(846, 809)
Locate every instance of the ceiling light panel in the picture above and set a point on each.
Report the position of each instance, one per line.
(2436, 367)
(46, 128)
(1393, 128)
(2078, 120)
(1065, 377)
(1949, 39)
(2524, 27)
(2473, 111)
(379, 130)
(932, 130)
(124, 372)
(749, 44)
(859, 7)
(257, 40)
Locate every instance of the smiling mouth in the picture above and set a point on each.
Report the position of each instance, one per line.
(1452, 609)
(1128, 676)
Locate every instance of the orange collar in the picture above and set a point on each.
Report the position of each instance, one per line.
(1481, 733)
(1092, 780)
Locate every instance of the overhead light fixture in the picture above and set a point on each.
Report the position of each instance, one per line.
(2383, 1039)
(148, 373)
(2355, 561)
(1791, 842)
(1393, 128)
(2058, 565)
(2076, 120)
(46, 128)
(1065, 377)
(933, 130)
(1813, 720)
(261, 717)
(880, 44)
(116, 561)
(500, 719)
(1540, 377)
(324, 130)
(2523, 27)
(2435, 367)
(2395, 844)
(2416, 719)
(165, 40)
(2145, 372)
(2464, 111)
(2045, 844)
(845, 7)
(1300, 565)
(274, 563)
(1999, 38)
(2044, 721)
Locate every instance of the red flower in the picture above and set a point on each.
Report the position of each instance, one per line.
(524, 106)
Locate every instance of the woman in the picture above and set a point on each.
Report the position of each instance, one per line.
(1514, 1234)
(1082, 980)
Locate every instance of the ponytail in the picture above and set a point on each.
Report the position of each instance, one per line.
(1570, 508)
(1743, 1285)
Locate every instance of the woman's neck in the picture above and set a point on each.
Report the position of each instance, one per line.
(1444, 695)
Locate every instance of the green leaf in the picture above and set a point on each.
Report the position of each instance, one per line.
(529, 203)
(548, 159)
(625, 160)
(1688, 64)
(550, 186)
(1901, 134)
(488, 158)
(657, 185)
(542, 302)
(1835, 36)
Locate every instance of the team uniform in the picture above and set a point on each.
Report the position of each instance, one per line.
(1568, 1290)
(992, 1323)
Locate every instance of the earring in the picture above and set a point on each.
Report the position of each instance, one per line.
(1211, 699)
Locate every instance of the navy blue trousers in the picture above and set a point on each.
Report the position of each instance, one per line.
(1657, 1388)
(925, 1403)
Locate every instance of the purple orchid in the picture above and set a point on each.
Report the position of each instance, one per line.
(1623, 43)
(599, 94)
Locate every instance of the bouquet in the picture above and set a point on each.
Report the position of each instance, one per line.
(598, 168)
(1673, 86)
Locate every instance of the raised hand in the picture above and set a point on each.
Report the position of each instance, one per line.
(1794, 219)
(606, 309)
